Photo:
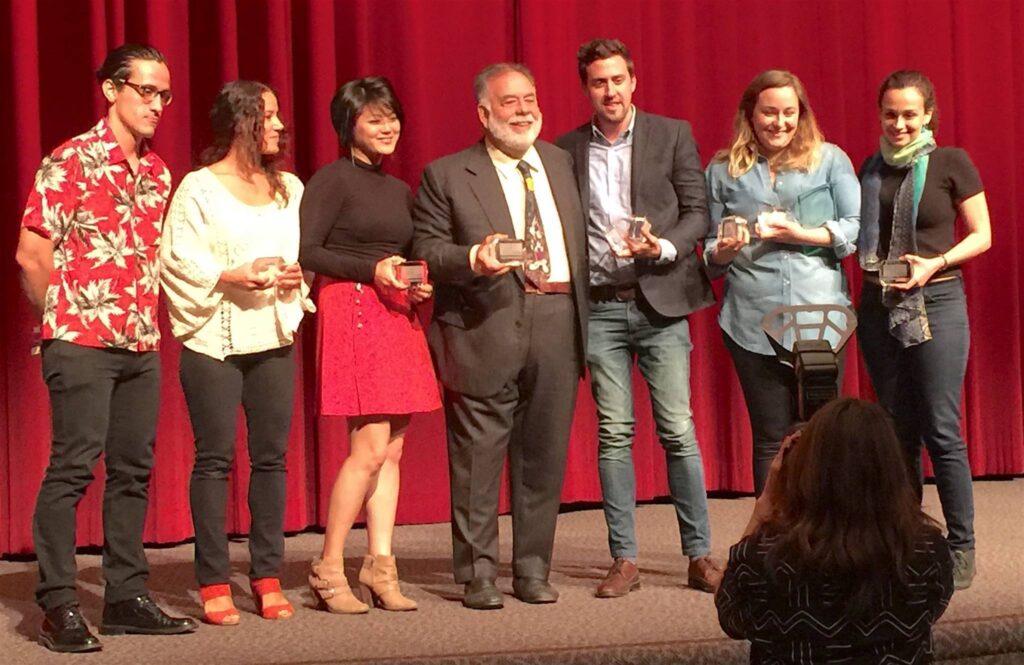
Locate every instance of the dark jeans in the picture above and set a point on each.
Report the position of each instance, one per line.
(920, 386)
(770, 392)
(264, 384)
(102, 401)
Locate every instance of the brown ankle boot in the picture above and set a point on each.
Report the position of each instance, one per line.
(329, 585)
(379, 578)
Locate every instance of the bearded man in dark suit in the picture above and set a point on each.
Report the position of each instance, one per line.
(508, 337)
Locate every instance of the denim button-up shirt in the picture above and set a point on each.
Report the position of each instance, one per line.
(767, 274)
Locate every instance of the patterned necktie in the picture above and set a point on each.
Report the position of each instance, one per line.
(536, 265)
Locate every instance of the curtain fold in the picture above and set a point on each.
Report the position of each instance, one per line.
(693, 58)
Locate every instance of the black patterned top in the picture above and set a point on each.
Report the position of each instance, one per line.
(793, 618)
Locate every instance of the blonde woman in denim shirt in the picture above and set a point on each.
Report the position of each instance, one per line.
(803, 196)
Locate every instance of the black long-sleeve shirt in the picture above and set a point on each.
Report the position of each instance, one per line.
(353, 215)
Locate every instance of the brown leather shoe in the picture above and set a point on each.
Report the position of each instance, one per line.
(622, 578)
(704, 574)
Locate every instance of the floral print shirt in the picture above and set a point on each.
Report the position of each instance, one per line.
(105, 222)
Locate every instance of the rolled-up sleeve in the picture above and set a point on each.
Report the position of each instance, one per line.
(846, 190)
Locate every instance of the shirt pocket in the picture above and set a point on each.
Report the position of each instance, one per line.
(813, 208)
(816, 206)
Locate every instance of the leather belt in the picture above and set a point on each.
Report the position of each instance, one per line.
(549, 287)
(617, 292)
(872, 278)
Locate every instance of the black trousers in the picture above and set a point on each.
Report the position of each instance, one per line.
(102, 401)
(770, 391)
(530, 419)
(264, 385)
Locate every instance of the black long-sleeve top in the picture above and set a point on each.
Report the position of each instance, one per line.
(353, 215)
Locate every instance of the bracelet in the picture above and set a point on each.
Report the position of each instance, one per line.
(945, 261)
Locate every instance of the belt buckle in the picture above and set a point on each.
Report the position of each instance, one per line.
(624, 294)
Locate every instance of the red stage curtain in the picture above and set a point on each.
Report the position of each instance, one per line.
(693, 60)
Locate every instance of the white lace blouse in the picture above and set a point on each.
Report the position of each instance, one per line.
(208, 230)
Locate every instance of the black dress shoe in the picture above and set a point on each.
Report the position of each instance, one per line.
(534, 590)
(141, 616)
(481, 594)
(64, 630)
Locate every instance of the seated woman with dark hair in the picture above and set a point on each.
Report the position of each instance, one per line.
(838, 563)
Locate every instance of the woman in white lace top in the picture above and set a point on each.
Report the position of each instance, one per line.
(235, 297)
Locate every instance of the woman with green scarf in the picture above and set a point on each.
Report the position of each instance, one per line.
(913, 329)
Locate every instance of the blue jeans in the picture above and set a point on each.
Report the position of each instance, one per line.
(620, 331)
(920, 386)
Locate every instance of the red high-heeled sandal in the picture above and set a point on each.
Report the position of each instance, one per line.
(228, 617)
(266, 585)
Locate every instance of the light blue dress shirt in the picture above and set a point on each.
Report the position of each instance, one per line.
(610, 172)
(767, 274)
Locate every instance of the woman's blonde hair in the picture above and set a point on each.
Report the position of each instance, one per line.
(804, 150)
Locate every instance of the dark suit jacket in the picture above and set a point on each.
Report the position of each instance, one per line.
(477, 319)
(667, 185)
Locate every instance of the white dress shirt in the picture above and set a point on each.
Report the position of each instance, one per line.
(514, 188)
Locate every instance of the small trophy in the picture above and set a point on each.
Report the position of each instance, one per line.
(734, 227)
(894, 272)
(510, 250)
(269, 265)
(411, 272)
(636, 227)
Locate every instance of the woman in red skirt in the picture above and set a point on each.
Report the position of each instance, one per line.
(374, 366)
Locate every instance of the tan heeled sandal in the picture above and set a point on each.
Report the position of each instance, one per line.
(378, 579)
(328, 583)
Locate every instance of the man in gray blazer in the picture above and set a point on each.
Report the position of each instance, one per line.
(508, 338)
(645, 278)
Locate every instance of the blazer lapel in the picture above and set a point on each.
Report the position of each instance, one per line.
(640, 131)
(567, 201)
(488, 191)
(581, 161)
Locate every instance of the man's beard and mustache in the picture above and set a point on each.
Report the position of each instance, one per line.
(509, 140)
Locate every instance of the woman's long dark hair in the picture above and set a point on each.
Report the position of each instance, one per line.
(843, 503)
(237, 119)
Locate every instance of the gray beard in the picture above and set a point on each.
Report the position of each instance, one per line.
(509, 141)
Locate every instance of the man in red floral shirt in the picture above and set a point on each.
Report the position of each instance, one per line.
(88, 251)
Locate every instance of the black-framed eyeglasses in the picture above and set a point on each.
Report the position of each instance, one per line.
(148, 92)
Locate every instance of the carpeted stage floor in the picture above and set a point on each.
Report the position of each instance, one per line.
(664, 622)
